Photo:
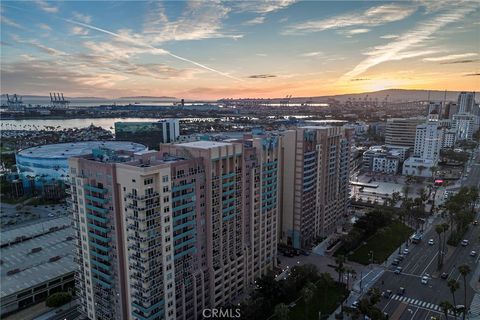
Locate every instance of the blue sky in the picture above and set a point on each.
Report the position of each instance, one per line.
(215, 49)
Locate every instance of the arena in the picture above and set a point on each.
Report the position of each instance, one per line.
(49, 162)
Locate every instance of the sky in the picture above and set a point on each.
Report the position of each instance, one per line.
(232, 49)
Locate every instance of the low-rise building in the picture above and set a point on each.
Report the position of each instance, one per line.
(36, 261)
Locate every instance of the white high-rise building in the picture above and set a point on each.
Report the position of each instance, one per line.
(466, 102)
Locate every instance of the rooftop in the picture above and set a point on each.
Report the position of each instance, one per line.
(34, 267)
(205, 144)
(72, 149)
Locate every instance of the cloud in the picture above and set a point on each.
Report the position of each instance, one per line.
(397, 49)
(460, 61)
(45, 6)
(81, 17)
(374, 16)
(261, 54)
(79, 31)
(471, 75)
(44, 26)
(353, 32)
(452, 57)
(38, 45)
(360, 79)
(312, 54)
(262, 76)
(255, 21)
(389, 36)
(199, 20)
(135, 43)
(262, 6)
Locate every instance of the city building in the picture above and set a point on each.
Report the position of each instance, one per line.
(36, 261)
(315, 182)
(464, 125)
(167, 234)
(384, 159)
(466, 102)
(151, 134)
(415, 166)
(50, 162)
(400, 132)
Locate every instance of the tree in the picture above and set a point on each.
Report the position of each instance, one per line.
(444, 249)
(446, 306)
(433, 170)
(439, 231)
(464, 270)
(339, 268)
(307, 293)
(281, 311)
(453, 286)
(58, 299)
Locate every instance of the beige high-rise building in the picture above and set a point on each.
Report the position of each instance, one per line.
(316, 163)
(400, 132)
(164, 235)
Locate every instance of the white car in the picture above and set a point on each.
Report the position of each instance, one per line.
(465, 243)
(406, 251)
(431, 242)
(473, 253)
(424, 280)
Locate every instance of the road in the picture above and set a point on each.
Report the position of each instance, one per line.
(423, 299)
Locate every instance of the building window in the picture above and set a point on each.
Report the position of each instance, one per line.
(165, 178)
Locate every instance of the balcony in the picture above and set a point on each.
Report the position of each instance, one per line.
(182, 187)
(185, 243)
(101, 274)
(98, 219)
(183, 216)
(229, 175)
(183, 206)
(98, 228)
(143, 197)
(101, 265)
(183, 225)
(96, 199)
(95, 189)
(97, 209)
(101, 256)
(184, 234)
(102, 283)
(99, 237)
(99, 247)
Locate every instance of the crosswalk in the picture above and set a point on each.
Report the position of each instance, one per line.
(417, 303)
(475, 306)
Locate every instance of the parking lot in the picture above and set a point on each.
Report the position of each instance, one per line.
(16, 215)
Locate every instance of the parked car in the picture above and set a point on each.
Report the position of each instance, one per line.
(398, 270)
(400, 257)
(355, 304)
(424, 280)
(401, 291)
(465, 242)
(406, 251)
(395, 262)
(473, 253)
(475, 223)
(431, 242)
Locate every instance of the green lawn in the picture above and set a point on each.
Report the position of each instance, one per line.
(383, 243)
(320, 302)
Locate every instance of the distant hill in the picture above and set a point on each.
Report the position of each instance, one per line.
(396, 95)
(148, 97)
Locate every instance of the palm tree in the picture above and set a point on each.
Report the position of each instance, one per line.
(339, 268)
(281, 311)
(446, 306)
(446, 226)
(439, 230)
(307, 293)
(453, 286)
(464, 270)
